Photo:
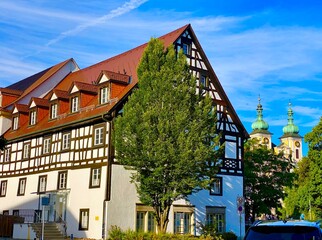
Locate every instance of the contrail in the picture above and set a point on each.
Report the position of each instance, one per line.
(126, 7)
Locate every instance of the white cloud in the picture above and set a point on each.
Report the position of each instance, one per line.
(126, 7)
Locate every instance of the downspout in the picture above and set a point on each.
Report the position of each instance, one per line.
(108, 118)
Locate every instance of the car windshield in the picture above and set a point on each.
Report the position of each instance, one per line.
(283, 233)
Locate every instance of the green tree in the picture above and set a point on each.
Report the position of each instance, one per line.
(166, 133)
(266, 175)
(308, 186)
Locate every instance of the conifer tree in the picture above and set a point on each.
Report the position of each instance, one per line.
(167, 132)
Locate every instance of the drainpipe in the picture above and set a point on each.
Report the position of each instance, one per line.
(108, 118)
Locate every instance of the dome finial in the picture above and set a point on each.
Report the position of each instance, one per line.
(259, 124)
(290, 128)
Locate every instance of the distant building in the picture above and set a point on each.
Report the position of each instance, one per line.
(290, 142)
(59, 164)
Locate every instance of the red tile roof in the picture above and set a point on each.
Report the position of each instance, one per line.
(22, 107)
(40, 102)
(118, 77)
(60, 94)
(86, 87)
(120, 68)
(11, 91)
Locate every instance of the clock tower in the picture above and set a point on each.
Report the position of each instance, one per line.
(291, 141)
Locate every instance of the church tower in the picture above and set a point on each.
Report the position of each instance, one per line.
(260, 128)
(291, 141)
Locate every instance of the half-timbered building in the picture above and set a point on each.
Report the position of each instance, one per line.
(59, 167)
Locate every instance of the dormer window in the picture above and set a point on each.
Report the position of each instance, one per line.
(104, 95)
(15, 123)
(33, 117)
(53, 111)
(75, 104)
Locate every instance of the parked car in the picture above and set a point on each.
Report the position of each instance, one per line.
(284, 230)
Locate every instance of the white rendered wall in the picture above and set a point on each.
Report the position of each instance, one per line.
(232, 188)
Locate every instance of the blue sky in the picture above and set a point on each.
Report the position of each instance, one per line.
(272, 48)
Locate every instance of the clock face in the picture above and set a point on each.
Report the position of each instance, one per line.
(297, 143)
(266, 140)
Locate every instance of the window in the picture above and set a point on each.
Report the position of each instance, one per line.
(216, 216)
(46, 146)
(42, 184)
(151, 222)
(75, 104)
(26, 151)
(203, 81)
(186, 48)
(140, 221)
(145, 220)
(104, 95)
(15, 124)
(66, 141)
(5, 212)
(98, 135)
(95, 180)
(7, 154)
(33, 116)
(15, 212)
(3, 188)
(53, 111)
(62, 180)
(182, 222)
(216, 187)
(22, 186)
(83, 219)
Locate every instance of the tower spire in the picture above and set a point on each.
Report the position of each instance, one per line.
(260, 125)
(290, 128)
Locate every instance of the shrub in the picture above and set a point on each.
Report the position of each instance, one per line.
(229, 236)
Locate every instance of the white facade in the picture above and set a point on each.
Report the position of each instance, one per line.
(87, 190)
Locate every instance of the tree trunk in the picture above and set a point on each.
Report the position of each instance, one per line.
(162, 218)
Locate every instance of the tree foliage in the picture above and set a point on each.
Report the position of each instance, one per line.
(166, 133)
(305, 195)
(3, 143)
(266, 175)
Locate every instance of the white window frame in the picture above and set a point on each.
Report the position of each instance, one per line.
(7, 155)
(22, 186)
(42, 184)
(83, 219)
(217, 187)
(95, 177)
(62, 180)
(54, 111)
(33, 117)
(15, 124)
(26, 150)
(98, 136)
(46, 146)
(66, 141)
(3, 188)
(104, 95)
(75, 104)
(182, 222)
